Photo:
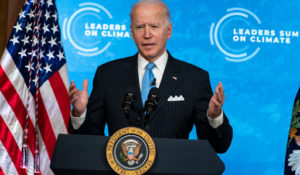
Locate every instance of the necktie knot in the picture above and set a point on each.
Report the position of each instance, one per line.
(150, 66)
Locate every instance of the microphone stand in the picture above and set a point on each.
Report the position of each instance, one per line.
(150, 105)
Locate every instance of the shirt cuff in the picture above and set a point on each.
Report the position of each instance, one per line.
(216, 122)
(78, 121)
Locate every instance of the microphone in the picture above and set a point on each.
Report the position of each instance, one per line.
(151, 103)
(128, 103)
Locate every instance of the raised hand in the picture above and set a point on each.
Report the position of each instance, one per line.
(78, 99)
(216, 102)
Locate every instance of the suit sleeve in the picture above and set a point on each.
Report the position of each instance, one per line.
(95, 118)
(220, 137)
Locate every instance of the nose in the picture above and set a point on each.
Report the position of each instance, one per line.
(147, 32)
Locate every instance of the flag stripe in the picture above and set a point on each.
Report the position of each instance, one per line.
(8, 167)
(44, 158)
(1, 172)
(11, 121)
(16, 104)
(14, 127)
(12, 97)
(10, 145)
(61, 95)
(16, 79)
(52, 109)
(64, 71)
(45, 127)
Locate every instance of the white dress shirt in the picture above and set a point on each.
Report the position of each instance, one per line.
(158, 70)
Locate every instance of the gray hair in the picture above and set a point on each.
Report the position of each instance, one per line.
(141, 2)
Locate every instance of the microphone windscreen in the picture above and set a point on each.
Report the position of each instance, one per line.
(153, 92)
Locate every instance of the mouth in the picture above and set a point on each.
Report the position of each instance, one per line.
(148, 45)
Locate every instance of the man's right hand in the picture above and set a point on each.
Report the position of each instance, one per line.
(78, 99)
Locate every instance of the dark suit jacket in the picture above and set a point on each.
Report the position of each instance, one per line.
(171, 119)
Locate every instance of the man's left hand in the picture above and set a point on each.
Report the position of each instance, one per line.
(216, 102)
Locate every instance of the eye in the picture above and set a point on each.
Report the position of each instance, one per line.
(154, 26)
(140, 26)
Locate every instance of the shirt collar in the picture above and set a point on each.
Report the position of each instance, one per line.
(160, 62)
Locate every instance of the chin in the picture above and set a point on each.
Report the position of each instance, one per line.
(149, 56)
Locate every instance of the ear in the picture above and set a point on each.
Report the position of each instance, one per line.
(169, 30)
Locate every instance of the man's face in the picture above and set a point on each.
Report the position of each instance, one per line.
(150, 30)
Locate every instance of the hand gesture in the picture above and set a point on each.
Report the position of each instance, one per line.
(78, 99)
(216, 102)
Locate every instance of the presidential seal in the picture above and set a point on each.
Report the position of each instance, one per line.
(130, 151)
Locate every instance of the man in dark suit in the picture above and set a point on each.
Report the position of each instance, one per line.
(185, 95)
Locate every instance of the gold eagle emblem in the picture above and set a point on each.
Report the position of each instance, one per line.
(131, 149)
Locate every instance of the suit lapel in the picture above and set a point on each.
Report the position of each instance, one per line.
(171, 78)
(129, 77)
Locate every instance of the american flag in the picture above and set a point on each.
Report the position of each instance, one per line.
(33, 90)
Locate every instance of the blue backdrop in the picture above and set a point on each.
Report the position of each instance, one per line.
(251, 46)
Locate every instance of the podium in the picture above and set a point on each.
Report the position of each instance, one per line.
(86, 154)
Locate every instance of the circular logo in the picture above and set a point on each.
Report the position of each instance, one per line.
(224, 34)
(130, 151)
(91, 29)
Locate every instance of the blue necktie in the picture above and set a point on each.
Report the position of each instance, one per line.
(147, 83)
